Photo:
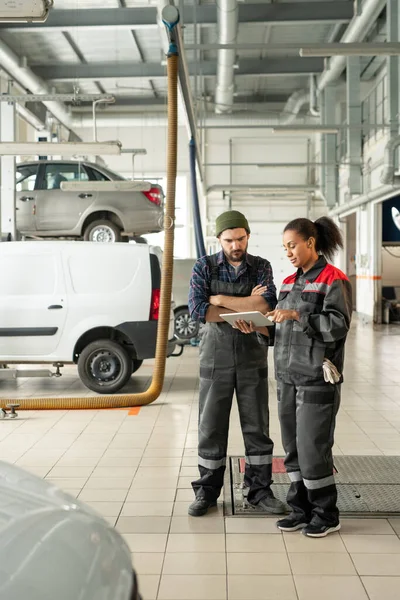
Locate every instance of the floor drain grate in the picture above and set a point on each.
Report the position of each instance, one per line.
(367, 485)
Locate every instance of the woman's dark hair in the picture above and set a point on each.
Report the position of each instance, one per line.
(328, 238)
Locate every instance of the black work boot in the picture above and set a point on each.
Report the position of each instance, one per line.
(200, 507)
(272, 505)
(269, 504)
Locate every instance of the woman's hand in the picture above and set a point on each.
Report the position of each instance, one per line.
(279, 315)
(259, 290)
(249, 327)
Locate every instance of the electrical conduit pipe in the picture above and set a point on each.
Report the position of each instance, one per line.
(153, 392)
(200, 248)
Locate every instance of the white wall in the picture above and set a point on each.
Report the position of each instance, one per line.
(254, 146)
(269, 212)
(153, 139)
(350, 254)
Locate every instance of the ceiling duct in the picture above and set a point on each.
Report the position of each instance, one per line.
(356, 31)
(228, 19)
(18, 70)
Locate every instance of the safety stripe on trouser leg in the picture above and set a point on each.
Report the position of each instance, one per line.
(265, 459)
(316, 484)
(208, 463)
(295, 476)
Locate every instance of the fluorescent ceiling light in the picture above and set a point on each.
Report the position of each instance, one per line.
(24, 10)
(63, 148)
(284, 165)
(260, 188)
(106, 186)
(301, 129)
(352, 49)
(134, 151)
(300, 165)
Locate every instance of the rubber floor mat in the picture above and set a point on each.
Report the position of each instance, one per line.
(367, 486)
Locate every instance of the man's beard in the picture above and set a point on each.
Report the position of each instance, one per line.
(236, 256)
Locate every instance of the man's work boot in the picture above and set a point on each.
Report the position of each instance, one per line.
(270, 504)
(200, 507)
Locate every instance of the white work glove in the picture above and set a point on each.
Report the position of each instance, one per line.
(331, 374)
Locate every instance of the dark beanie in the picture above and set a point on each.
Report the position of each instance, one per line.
(230, 220)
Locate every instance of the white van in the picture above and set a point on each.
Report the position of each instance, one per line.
(73, 302)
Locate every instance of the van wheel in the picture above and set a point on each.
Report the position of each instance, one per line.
(185, 327)
(136, 364)
(104, 366)
(102, 231)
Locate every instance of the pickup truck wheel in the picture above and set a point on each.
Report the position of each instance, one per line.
(185, 327)
(136, 364)
(104, 366)
(102, 231)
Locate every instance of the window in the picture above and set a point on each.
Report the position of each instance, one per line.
(95, 175)
(26, 178)
(55, 174)
(372, 110)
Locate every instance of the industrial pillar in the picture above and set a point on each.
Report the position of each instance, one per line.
(331, 180)
(392, 25)
(354, 134)
(322, 146)
(7, 192)
(369, 262)
(376, 259)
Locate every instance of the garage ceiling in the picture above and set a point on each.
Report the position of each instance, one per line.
(114, 46)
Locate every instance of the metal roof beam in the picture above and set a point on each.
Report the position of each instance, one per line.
(162, 100)
(120, 70)
(336, 11)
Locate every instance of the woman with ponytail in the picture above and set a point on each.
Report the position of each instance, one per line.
(313, 318)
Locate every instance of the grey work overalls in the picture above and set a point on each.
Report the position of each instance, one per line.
(307, 405)
(231, 361)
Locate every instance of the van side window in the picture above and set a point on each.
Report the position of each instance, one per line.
(27, 275)
(55, 174)
(26, 178)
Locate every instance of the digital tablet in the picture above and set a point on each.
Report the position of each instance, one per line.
(255, 317)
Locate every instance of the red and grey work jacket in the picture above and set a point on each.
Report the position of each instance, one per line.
(322, 296)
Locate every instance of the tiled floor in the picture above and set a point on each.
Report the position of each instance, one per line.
(136, 471)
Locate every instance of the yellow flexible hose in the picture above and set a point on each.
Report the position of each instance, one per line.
(153, 392)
